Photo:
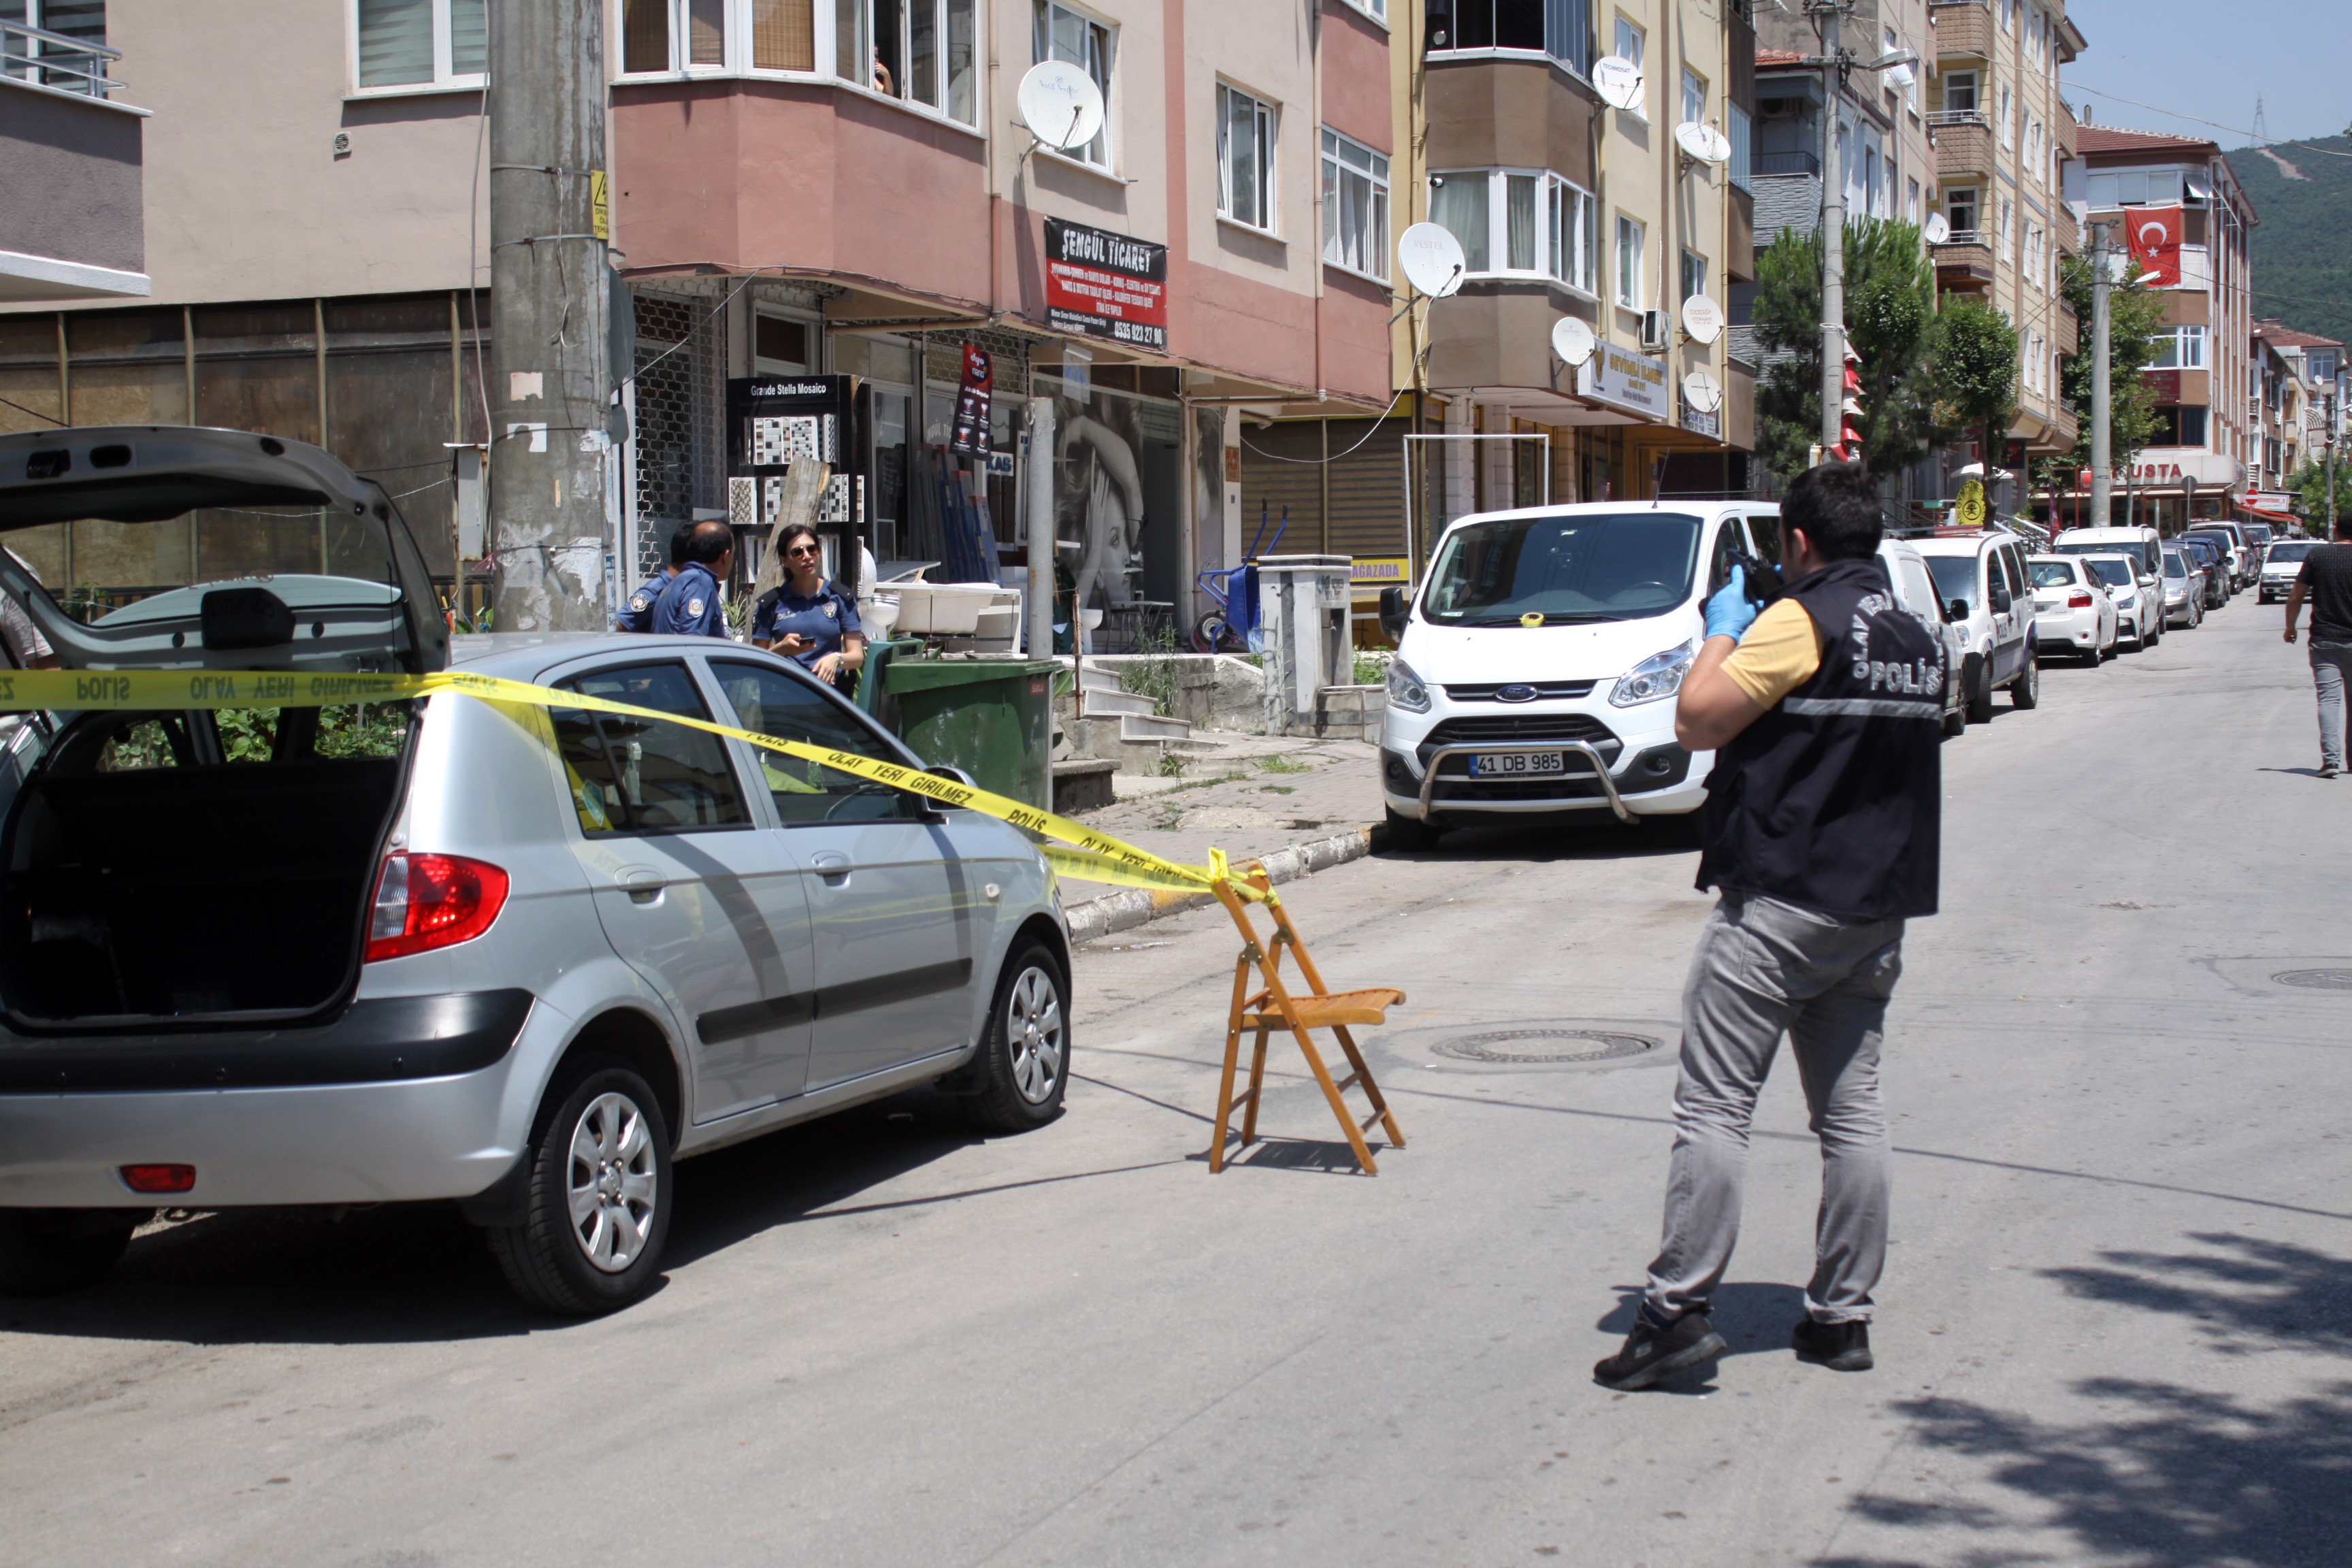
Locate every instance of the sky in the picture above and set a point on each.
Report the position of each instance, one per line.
(2212, 58)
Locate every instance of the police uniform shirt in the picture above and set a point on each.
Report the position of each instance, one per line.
(824, 618)
(637, 614)
(689, 606)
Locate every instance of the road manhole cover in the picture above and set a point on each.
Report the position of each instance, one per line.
(1537, 1048)
(2316, 979)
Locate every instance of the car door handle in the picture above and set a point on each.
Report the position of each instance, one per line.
(643, 884)
(833, 866)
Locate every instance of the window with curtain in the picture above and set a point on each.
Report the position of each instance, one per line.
(1062, 34)
(1570, 233)
(419, 43)
(1457, 203)
(1526, 221)
(1355, 207)
(1630, 238)
(1246, 131)
(784, 34)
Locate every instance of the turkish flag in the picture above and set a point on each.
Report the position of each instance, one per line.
(2155, 244)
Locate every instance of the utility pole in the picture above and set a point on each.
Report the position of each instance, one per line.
(1828, 16)
(550, 382)
(2332, 418)
(2102, 484)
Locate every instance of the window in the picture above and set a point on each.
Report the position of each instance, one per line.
(1571, 234)
(1961, 210)
(1355, 207)
(917, 50)
(638, 776)
(1517, 220)
(2007, 119)
(773, 703)
(2034, 254)
(1960, 93)
(414, 43)
(2008, 230)
(1457, 203)
(1561, 28)
(1911, 207)
(1693, 97)
(784, 34)
(2182, 348)
(1693, 274)
(781, 345)
(673, 35)
(1742, 133)
(1246, 128)
(1062, 34)
(2009, 15)
(1630, 235)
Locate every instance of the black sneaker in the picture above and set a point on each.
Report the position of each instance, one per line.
(1652, 1353)
(1841, 1347)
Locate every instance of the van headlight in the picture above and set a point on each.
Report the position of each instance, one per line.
(1660, 674)
(1405, 689)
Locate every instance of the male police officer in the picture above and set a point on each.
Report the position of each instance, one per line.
(637, 614)
(690, 606)
(1823, 817)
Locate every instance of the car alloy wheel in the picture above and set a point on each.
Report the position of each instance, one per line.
(614, 1183)
(1032, 1027)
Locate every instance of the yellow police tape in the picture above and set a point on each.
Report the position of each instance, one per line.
(1091, 856)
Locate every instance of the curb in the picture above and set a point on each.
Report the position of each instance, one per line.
(1133, 907)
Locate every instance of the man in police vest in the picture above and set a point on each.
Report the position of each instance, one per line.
(1821, 831)
(690, 606)
(637, 614)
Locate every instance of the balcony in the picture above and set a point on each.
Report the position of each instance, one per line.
(2063, 229)
(73, 223)
(1964, 28)
(1787, 164)
(1964, 150)
(2065, 331)
(1964, 262)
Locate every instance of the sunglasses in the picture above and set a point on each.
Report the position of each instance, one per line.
(798, 550)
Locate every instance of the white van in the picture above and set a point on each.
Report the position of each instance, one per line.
(1538, 663)
(2144, 545)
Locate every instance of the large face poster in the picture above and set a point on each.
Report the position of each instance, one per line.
(1117, 492)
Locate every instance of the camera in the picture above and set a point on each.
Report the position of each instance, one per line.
(1760, 579)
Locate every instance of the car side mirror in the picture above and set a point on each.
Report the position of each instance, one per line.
(1955, 611)
(953, 774)
(1393, 607)
(2000, 599)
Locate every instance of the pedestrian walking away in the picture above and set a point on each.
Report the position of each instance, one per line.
(806, 618)
(2326, 580)
(690, 604)
(637, 614)
(1821, 835)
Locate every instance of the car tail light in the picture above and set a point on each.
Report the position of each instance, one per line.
(424, 901)
(2078, 600)
(159, 1178)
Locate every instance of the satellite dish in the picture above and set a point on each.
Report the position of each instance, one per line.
(1060, 105)
(1618, 80)
(1572, 339)
(1938, 231)
(1702, 319)
(1703, 391)
(1702, 141)
(1431, 259)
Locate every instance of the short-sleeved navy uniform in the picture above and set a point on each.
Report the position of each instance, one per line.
(637, 614)
(689, 606)
(824, 617)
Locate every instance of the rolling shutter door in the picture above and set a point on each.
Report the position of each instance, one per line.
(1368, 489)
(1269, 484)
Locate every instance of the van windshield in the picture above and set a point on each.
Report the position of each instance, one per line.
(1956, 578)
(1566, 567)
(2292, 550)
(2143, 551)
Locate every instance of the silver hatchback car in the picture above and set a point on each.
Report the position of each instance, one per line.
(518, 956)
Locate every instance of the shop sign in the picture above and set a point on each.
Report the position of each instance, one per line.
(2165, 384)
(970, 435)
(1105, 285)
(1708, 425)
(1381, 569)
(1623, 379)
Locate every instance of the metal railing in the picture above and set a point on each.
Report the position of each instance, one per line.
(1788, 163)
(43, 58)
(1956, 117)
(1968, 237)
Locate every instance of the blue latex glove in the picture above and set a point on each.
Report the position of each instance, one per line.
(1730, 613)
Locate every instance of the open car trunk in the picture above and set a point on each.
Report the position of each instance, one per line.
(193, 869)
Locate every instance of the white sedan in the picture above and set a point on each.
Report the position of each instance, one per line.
(2072, 611)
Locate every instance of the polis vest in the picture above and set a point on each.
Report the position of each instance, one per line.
(1833, 800)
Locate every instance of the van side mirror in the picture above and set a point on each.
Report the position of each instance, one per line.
(1955, 611)
(1393, 607)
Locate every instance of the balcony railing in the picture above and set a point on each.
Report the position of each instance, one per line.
(43, 58)
(1967, 237)
(1957, 117)
(1788, 163)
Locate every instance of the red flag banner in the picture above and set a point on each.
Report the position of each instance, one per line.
(2155, 244)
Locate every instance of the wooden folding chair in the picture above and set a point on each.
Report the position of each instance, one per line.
(1276, 1008)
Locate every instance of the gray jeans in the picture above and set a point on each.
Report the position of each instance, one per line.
(1765, 968)
(2331, 667)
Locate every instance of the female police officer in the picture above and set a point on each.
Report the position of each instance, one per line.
(808, 620)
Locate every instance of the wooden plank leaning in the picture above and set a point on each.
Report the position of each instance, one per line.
(1274, 1006)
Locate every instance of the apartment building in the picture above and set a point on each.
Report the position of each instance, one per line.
(2303, 407)
(71, 194)
(1564, 208)
(839, 192)
(2175, 203)
(1890, 166)
(2005, 141)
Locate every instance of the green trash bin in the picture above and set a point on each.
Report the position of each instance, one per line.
(993, 718)
(873, 684)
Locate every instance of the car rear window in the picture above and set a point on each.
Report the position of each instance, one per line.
(2053, 574)
(2117, 572)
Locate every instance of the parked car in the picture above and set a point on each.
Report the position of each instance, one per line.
(2260, 535)
(1980, 573)
(1538, 662)
(2224, 538)
(2144, 545)
(2071, 612)
(2282, 564)
(2138, 604)
(2184, 590)
(520, 958)
(1914, 586)
(2210, 559)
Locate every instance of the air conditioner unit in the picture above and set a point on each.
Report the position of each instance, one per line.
(1654, 330)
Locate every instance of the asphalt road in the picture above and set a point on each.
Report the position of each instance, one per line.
(2113, 1329)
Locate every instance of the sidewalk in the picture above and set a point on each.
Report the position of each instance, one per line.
(1260, 794)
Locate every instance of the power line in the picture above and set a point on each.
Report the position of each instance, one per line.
(2194, 119)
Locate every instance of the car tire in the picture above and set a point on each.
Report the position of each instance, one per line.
(1024, 1066)
(1975, 686)
(46, 1252)
(1410, 835)
(2025, 691)
(1955, 722)
(597, 1196)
